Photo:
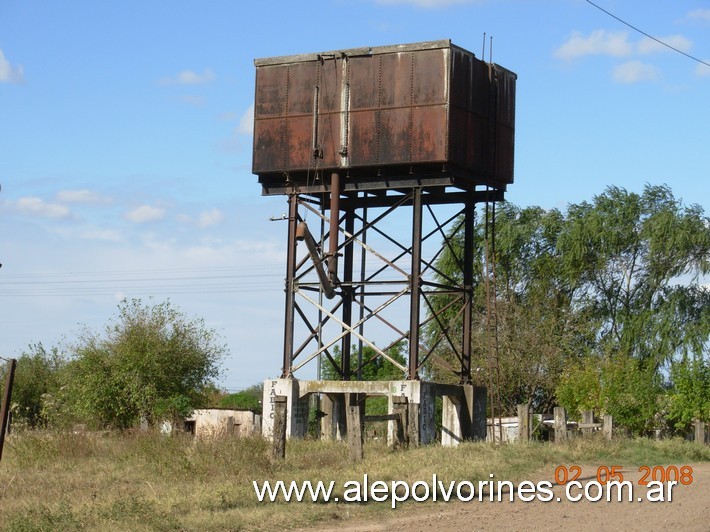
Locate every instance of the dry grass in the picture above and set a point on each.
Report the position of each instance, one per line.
(145, 481)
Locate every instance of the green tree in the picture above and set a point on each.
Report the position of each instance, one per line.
(638, 259)
(152, 362)
(248, 399)
(375, 367)
(37, 379)
(603, 296)
(690, 394)
(629, 390)
(628, 252)
(538, 328)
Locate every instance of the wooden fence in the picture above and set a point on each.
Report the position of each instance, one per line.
(564, 429)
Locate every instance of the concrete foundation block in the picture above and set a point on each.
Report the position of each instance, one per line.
(463, 413)
(332, 417)
(296, 408)
(421, 397)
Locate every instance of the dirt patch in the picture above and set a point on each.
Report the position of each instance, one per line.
(689, 510)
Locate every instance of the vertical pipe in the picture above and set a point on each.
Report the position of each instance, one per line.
(334, 221)
(290, 277)
(468, 251)
(415, 284)
(320, 302)
(348, 256)
(321, 399)
(363, 267)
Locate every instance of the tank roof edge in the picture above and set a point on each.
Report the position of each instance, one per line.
(365, 50)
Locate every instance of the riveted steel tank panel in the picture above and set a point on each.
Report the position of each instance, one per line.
(425, 108)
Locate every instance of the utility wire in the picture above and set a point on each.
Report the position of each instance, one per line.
(141, 279)
(145, 282)
(257, 278)
(649, 36)
(257, 267)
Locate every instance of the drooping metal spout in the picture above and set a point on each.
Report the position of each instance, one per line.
(303, 234)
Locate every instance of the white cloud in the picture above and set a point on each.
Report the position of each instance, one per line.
(246, 122)
(205, 219)
(617, 44)
(703, 70)
(699, 14)
(648, 45)
(34, 206)
(189, 77)
(635, 72)
(81, 196)
(145, 213)
(209, 218)
(599, 42)
(379, 25)
(8, 73)
(88, 233)
(244, 128)
(105, 235)
(239, 252)
(227, 116)
(238, 310)
(429, 4)
(192, 99)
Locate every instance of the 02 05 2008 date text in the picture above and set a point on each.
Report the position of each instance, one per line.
(681, 474)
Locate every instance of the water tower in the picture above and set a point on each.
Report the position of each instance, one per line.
(379, 150)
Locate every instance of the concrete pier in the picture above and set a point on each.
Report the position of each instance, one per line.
(463, 405)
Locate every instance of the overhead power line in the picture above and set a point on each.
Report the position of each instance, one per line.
(166, 271)
(145, 282)
(255, 278)
(659, 41)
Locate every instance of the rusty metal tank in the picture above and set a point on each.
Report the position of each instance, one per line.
(383, 115)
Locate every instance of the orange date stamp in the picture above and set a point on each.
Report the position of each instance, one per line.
(680, 475)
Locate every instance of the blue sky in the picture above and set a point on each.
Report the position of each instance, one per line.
(125, 140)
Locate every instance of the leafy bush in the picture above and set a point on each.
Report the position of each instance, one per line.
(690, 395)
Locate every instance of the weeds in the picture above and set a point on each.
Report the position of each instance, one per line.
(148, 481)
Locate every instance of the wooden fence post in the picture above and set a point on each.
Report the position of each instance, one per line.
(587, 419)
(480, 423)
(524, 423)
(5, 411)
(400, 409)
(280, 418)
(699, 431)
(560, 424)
(608, 427)
(354, 425)
(413, 425)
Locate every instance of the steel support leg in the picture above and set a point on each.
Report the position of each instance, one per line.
(290, 278)
(415, 284)
(468, 250)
